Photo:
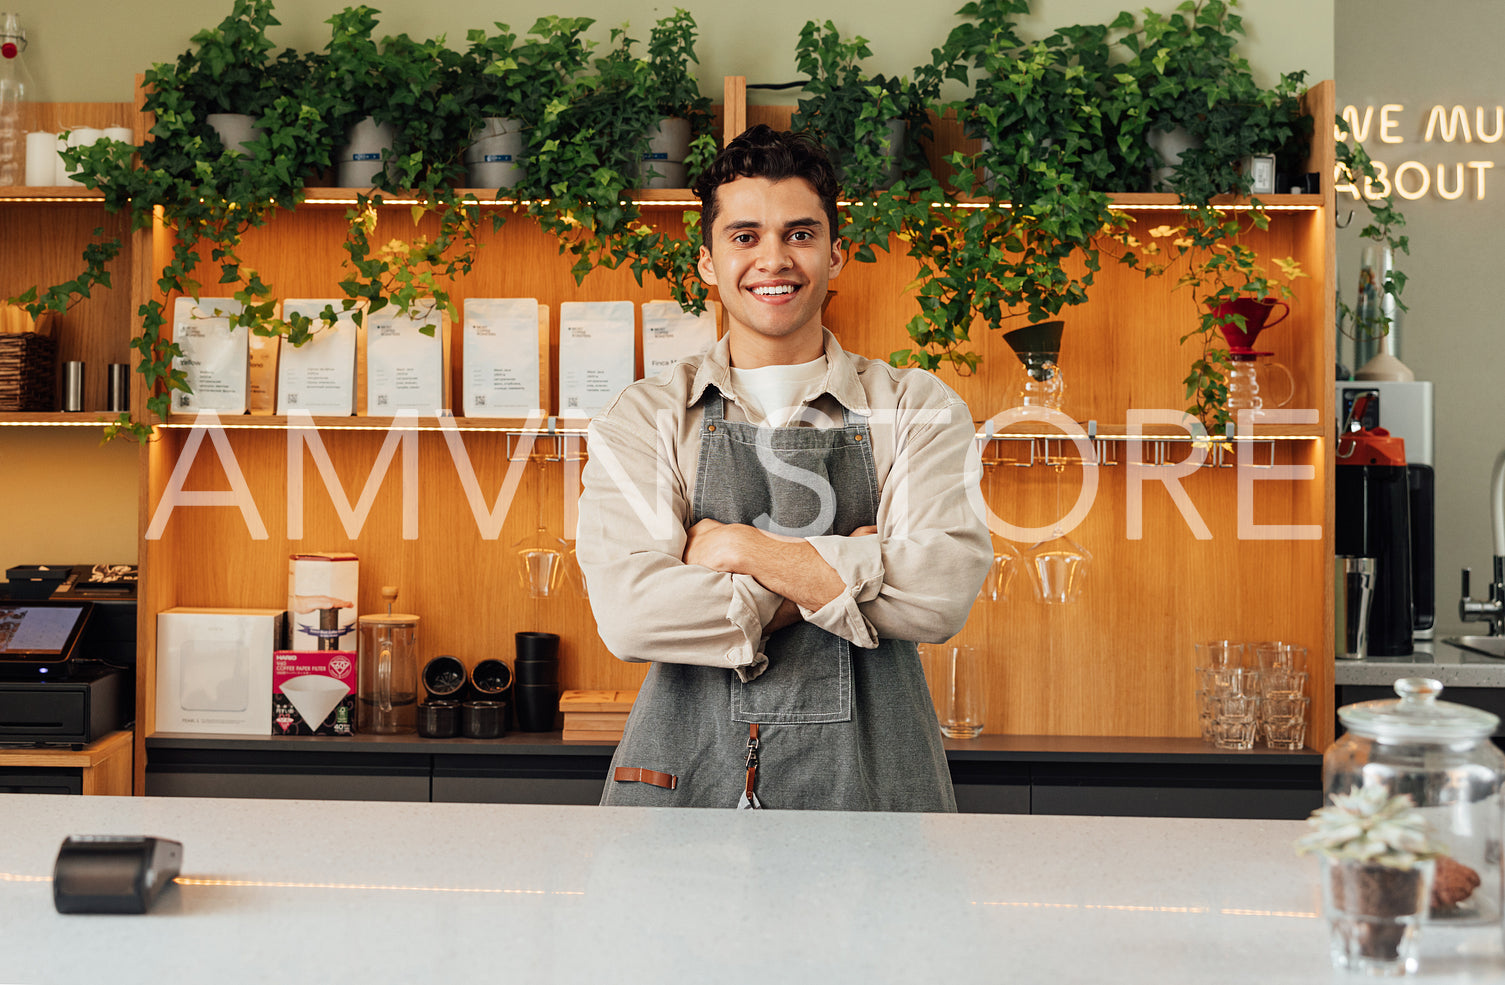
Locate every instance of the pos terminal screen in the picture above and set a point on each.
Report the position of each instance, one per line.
(39, 632)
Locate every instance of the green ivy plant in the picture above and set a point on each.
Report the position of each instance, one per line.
(207, 195)
(1187, 69)
(851, 110)
(1037, 108)
(504, 76)
(232, 69)
(414, 86)
(586, 163)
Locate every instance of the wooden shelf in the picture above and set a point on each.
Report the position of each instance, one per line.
(651, 198)
(1159, 432)
(105, 763)
(577, 427)
(327, 196)
(57, 418)
(427, 422)
(24, 194)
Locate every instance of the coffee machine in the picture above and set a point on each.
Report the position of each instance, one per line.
(1404, 409)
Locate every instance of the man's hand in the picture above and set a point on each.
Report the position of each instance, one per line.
(713, 544)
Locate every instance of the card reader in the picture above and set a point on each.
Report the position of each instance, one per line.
(113, 873)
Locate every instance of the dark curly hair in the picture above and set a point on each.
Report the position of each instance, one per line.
(763, 152)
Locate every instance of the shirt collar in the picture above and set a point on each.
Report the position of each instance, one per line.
(841, 379)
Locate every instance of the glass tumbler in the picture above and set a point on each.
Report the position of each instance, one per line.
(958, 687)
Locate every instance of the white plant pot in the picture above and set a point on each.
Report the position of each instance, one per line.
(236, 131)
(495, 158)
(360, 159)
(1168, 145)
(668, 146)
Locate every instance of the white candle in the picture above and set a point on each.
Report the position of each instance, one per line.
(41, 159)
(123, 134)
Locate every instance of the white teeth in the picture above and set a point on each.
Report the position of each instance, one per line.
(781, 289)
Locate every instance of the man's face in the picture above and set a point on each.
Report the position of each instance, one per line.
(771, 255)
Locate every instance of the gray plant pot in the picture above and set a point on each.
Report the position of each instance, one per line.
(236, 130)
(1168, 145)
(668, 146)
(495, 158)
(359, 160)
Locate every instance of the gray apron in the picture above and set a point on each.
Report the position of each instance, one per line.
(836, 730)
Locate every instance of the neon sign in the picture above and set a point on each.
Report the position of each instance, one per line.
(1413, 179)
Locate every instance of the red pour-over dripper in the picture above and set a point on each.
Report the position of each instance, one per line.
(1255, 316)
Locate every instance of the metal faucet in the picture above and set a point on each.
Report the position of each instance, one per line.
(1493, 610)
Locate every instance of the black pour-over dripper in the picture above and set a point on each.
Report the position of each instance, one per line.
(1037, 346)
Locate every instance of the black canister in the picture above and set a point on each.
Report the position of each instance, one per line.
(444, 678)
(536, 691)
(483, 719)
(490, 680)
(1372, 518)
(439, 719)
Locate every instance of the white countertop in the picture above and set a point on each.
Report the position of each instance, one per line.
(311, 892)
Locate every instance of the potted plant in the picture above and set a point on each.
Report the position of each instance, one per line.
(587, 153)
(507, 85)
(230, 80)
(680, 143)
(1378, 858)
(208, 196)
(871, 125)
(395, 101)
(1204, 109)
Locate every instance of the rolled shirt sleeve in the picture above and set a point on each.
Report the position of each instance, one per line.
(649, 604)
(918, 578)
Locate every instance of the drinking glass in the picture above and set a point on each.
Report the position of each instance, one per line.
(959, 688)
(1236, 721)
(1220, 653)
(1280, 656)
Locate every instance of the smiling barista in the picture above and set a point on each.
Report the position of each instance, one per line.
(773, 524)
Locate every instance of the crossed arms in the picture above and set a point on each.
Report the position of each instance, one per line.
(709, 594)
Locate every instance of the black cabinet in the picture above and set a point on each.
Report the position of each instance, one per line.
(992, 774)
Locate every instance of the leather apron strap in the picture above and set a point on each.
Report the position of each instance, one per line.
(749, 799)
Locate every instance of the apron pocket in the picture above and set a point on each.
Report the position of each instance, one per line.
(808, 681)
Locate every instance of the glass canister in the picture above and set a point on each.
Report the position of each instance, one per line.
(387, 678)
(1442, 755)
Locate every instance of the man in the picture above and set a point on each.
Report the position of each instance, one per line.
(772, 524)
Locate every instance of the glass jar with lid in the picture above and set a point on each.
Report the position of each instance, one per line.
(1442, 755)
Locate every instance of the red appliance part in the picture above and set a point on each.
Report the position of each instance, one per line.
(1375, 446)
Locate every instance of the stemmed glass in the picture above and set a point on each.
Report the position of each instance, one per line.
(540, 555)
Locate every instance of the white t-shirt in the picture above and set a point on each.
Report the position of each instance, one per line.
(776, 395)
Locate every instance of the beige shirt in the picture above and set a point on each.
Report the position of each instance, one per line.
(915, 581)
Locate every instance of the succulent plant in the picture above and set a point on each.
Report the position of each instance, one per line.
(1367, 825)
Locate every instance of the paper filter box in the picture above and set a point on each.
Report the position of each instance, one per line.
(313, 692)
(214, 669)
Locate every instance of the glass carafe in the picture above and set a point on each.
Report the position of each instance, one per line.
(1442, 755)
(1043, 386)
(1258, 384)
(387, 677)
